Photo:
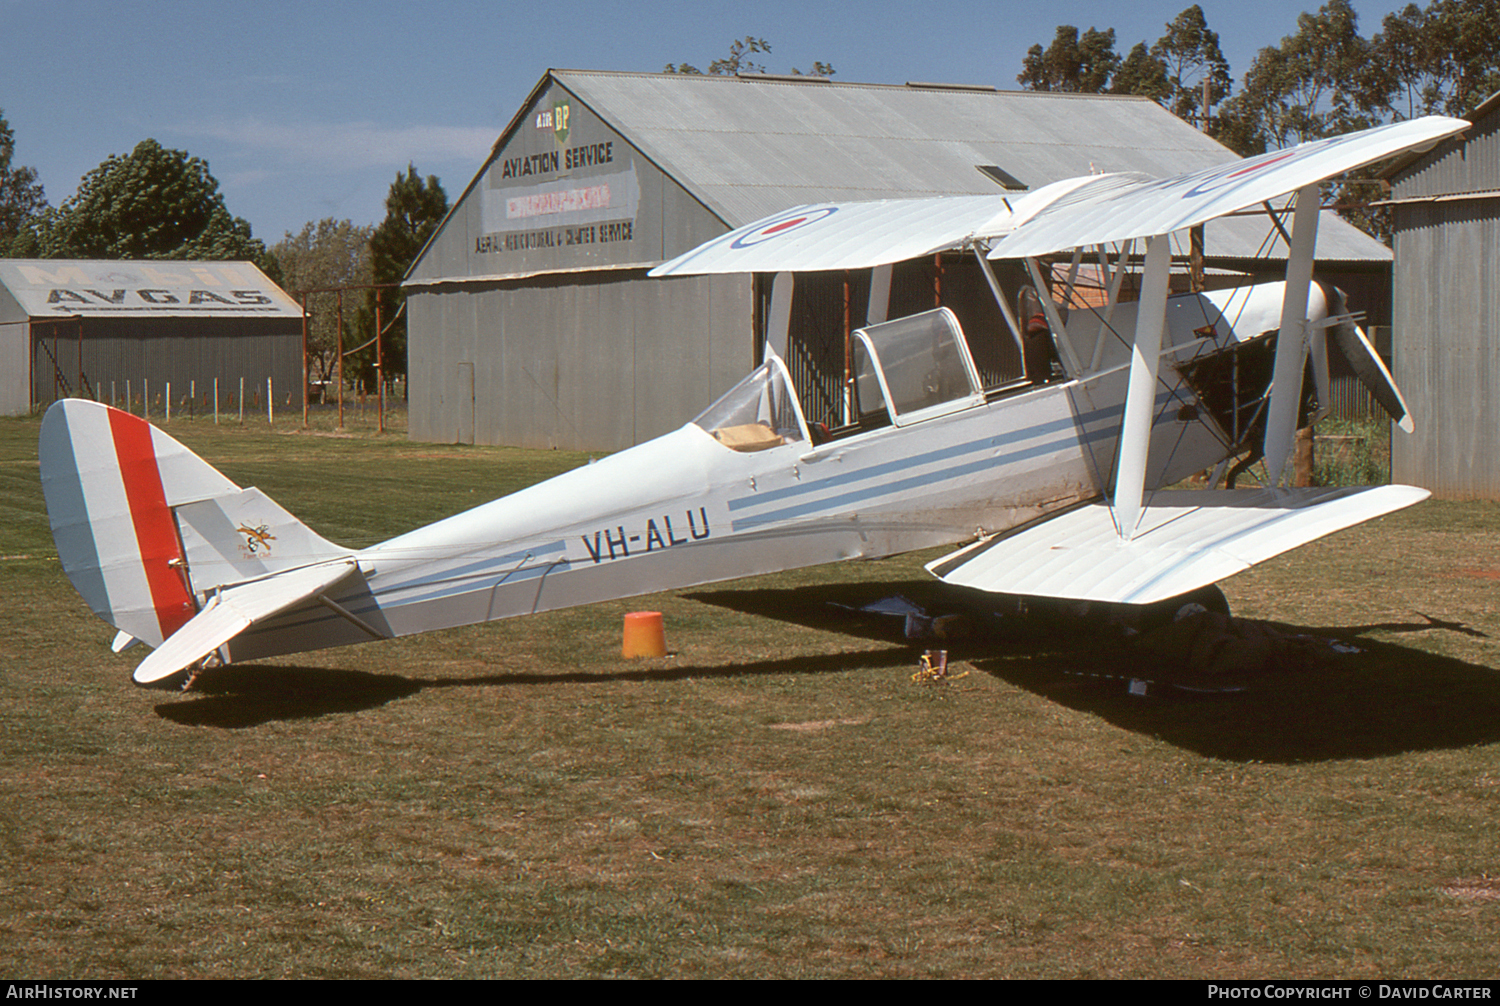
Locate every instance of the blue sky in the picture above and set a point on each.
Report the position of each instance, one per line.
(308, 109)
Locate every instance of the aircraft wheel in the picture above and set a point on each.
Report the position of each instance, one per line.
(1154, 616)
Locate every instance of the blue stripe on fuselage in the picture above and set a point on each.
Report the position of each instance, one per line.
(1087, 423)
(479, 567)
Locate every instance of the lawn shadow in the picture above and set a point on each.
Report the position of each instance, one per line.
(249, 695)
(1312, 703)
(1317, 704)
(1384, 700)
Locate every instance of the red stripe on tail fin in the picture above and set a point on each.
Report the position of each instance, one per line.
(155, 532)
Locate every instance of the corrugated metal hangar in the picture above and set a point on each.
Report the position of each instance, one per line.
(532, 321)
(1447, 311)
(87, 329)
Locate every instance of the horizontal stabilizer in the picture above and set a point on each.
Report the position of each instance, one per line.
(233, 610)
(1187, 539)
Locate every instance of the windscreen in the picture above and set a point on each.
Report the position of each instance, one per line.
(756, 414)
(922, 360)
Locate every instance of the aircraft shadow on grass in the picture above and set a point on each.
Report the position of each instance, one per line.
(1312, 703)
(248, 695)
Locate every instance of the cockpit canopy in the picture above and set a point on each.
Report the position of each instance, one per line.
(918, 367)
(758, 413)
(905, 371)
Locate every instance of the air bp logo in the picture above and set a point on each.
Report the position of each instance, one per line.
(560, 123)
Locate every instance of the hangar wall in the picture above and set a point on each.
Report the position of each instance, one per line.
(531, 321)
(577, 361)
(161, 350)
(15, 357)
(1446, 324)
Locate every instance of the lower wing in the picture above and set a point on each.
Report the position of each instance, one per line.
(1187, 539)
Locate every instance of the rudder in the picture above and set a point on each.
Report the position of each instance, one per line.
(144, 526)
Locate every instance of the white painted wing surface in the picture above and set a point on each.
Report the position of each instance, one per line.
(842, 236)
(235, 609)
(1102, 212)
(1188, 539)
(862, 235)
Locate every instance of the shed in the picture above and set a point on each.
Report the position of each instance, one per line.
(1446, 319)
(93, 329)
(531, 320)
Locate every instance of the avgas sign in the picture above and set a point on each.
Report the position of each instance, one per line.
(60, 288)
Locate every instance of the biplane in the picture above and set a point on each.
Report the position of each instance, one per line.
(1052, 484)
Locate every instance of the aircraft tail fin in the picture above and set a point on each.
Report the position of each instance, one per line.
(145, 528)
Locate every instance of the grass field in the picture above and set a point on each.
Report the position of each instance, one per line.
(774, 799)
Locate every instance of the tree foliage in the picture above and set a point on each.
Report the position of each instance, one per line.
(153, 203)
(1073, 63)
(1327, 79)
(1189, 54)
(21, 195)
(741, 60)
(1409, 55)
(1169, 72)
(1142, 74)
(1306, 87)
(1445, 58)
(1322, 80)
(413, 211)
(327, 255)
(1472, 64)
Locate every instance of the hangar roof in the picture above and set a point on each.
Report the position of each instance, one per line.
(753, 145)
(51, 288)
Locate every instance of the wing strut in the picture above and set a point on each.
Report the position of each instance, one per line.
(1054, 320)
(1113, 299)
(880, 294)
(999, 295)
(1291, 341)
(779, 324)
(1140, 396)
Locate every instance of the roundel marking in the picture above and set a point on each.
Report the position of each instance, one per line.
(1263, 164)
(783, 225)
(1228, 178)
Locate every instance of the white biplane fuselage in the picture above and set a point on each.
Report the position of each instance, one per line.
(173, 554)
(731, 495)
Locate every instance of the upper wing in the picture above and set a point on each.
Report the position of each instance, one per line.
(862, 235)
(1064, 214)
(1098, 212)
(841, 236)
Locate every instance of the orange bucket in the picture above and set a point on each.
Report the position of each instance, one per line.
(644, 635)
